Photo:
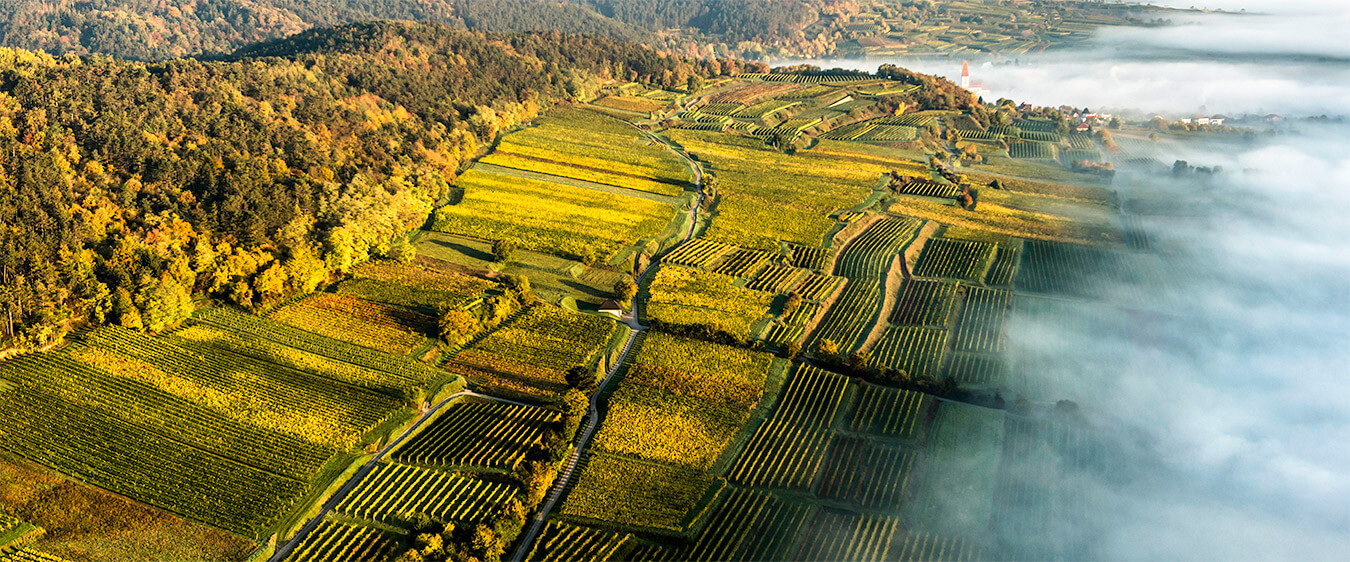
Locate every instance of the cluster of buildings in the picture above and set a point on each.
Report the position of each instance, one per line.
(1198, 120)
(973, 87)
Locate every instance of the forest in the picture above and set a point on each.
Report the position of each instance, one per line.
(129, 188)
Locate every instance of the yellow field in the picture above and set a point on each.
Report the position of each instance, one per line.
(1006, 220)
(768, 196)
(558, 219)
(681, 295)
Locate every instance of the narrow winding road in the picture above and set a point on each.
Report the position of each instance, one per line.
(584, 436)
(635, 327)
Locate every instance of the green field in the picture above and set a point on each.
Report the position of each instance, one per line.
(477, 434)
(530, 353)
(954, 492)
(787, 450)
(330, 540)
(638, 495)
(397, 494)
(587, 146)
(924, 303)
(413, 286)
(220, 437)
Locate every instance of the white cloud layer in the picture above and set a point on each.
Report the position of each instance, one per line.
(1232, 394)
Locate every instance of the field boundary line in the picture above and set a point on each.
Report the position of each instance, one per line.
(565, 475)
(351, 483)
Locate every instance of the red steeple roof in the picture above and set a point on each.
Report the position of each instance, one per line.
(965, 69)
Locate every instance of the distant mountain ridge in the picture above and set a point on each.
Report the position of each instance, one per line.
(750, 29)
(145, 30)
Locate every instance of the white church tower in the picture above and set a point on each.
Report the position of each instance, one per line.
(965, 75)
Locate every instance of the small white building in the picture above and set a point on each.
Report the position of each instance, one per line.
(612, 308)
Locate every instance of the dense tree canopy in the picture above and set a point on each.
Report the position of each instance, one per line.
(146, 30)
(127, 187)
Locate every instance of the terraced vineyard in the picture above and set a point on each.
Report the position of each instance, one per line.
(861, 472)
(982, 320)
(847, 322)
(891, 412)
(306, 408)
(588, 146)
(793, 204)
(765, 108)
(747, 526)
(1080, 141)
(401, 371)
(743, 263)
(870, 253)
(965, 450)
(794, 326)
(924, 302)
(809, 257)
(689, 296)
(553, 218)
(566, 543)
(530, 354)
(478, 434)
(1032, 150)
(917, 351)
(394, 494)
(636, 494)
(340, 541)
(1037, 125)
(698, 253)
(975, 369)
(911, 119)
(26, 554)
(1002, 272)
(786, 451)
(776, 279)
(808, 78)
(1039, 136)
(1069, 269)
(978, 135)
(207, 339)
(890, 133)
(929, 189)
(813, 396)
(817, 287)
(94, 443)
(920, 547)
(413, 286)
(951, 258)
(873, 131)
(781, 455)
(699, 393)
(1070, 156)
(722, 108)
(837, 535)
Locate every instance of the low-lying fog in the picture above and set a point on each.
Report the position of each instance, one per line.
(1234, 390)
